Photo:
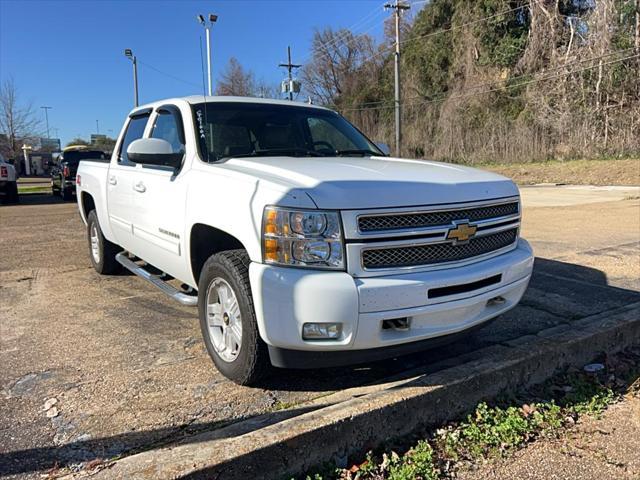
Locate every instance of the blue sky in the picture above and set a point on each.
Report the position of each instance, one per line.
(69, 54)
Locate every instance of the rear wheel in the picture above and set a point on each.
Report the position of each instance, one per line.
(228, 320)
(101, 251)
(67, 193)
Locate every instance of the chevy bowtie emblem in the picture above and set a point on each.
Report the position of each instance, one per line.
(461, 232)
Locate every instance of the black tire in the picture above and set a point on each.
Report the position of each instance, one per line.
(12, 193)
(67, 194)
(252, 362)
(106, 263)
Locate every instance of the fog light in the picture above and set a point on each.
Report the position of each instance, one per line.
(321, 331)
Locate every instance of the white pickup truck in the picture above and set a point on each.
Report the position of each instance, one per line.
(300, 241)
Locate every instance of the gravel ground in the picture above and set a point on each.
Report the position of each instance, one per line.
(129, 371)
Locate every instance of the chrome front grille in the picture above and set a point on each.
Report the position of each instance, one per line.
(436, 253)
(414, 239)
(417, 220)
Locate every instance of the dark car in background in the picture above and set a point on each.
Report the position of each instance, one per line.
(63, 171)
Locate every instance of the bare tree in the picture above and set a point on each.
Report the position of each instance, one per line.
(337, 58)
(236, 81)
(18, 122)
(264, 89)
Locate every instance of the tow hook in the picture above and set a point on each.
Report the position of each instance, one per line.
(397, 324)
(495, 301)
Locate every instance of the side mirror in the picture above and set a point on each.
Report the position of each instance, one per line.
(154, 151)
(384, 148)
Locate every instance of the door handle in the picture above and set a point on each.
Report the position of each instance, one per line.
(113, 180)
(139, 187)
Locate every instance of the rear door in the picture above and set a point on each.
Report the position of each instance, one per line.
(160, 198)
(120, 179)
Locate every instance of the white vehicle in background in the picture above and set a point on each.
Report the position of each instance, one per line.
(8, 182)
(301, 243)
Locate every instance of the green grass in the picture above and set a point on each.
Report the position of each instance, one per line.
(493, 431)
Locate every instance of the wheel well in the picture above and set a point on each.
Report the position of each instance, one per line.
(87, 204)
(206, 241)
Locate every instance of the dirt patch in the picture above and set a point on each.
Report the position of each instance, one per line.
(572, 172)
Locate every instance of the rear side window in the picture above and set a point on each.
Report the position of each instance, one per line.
(135, 130)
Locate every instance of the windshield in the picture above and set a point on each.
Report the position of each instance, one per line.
(235, 129)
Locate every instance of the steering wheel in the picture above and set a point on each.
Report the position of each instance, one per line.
(326, 144)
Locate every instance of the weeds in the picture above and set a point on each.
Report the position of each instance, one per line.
(498, 430)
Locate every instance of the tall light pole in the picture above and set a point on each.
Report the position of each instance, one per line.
(397, 8)
(129, 54)
(46, 116)
(207, 27)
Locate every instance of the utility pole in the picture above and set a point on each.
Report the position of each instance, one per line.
(397, 10)
(46, 116)
(207, 28)
(637, 5)
(129, 54)
(290, 66)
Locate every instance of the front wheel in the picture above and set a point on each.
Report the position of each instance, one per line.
(101, 251)
(12, 193)
(228, 320)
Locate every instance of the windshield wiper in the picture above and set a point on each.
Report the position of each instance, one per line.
(362, 152)
(294, 152)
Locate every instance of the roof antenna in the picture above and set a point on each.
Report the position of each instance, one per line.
(201, 132)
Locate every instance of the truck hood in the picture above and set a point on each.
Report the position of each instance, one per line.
(344, 183)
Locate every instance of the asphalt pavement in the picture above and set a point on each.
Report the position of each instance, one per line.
(127, 367)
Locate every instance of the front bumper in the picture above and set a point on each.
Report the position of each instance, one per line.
(286, 298)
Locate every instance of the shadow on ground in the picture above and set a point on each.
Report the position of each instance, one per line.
(559, 294)
(40, 199)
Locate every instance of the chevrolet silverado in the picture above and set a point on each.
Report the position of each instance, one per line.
(300, 242)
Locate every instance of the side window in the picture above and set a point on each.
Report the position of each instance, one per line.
(324, 136)
(135, 130)
(168, 128)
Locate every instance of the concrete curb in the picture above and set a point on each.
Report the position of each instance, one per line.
(357, 424)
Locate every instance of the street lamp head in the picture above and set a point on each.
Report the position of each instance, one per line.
(128, 53)
(213, 18)
(200, 19)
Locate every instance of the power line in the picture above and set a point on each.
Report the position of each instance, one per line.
(169, 75)
(529, 82)
(473, 22)
(525, 75)
(345, 37)
(445, 30)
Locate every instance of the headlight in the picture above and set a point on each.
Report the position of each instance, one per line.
(308, 238)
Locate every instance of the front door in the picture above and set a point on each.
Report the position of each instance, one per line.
(160, 199)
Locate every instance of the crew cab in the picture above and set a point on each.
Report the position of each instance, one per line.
(63, 171)
(300, 242)
(8, 182)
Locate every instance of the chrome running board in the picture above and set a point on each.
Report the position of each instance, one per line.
(170, 290)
